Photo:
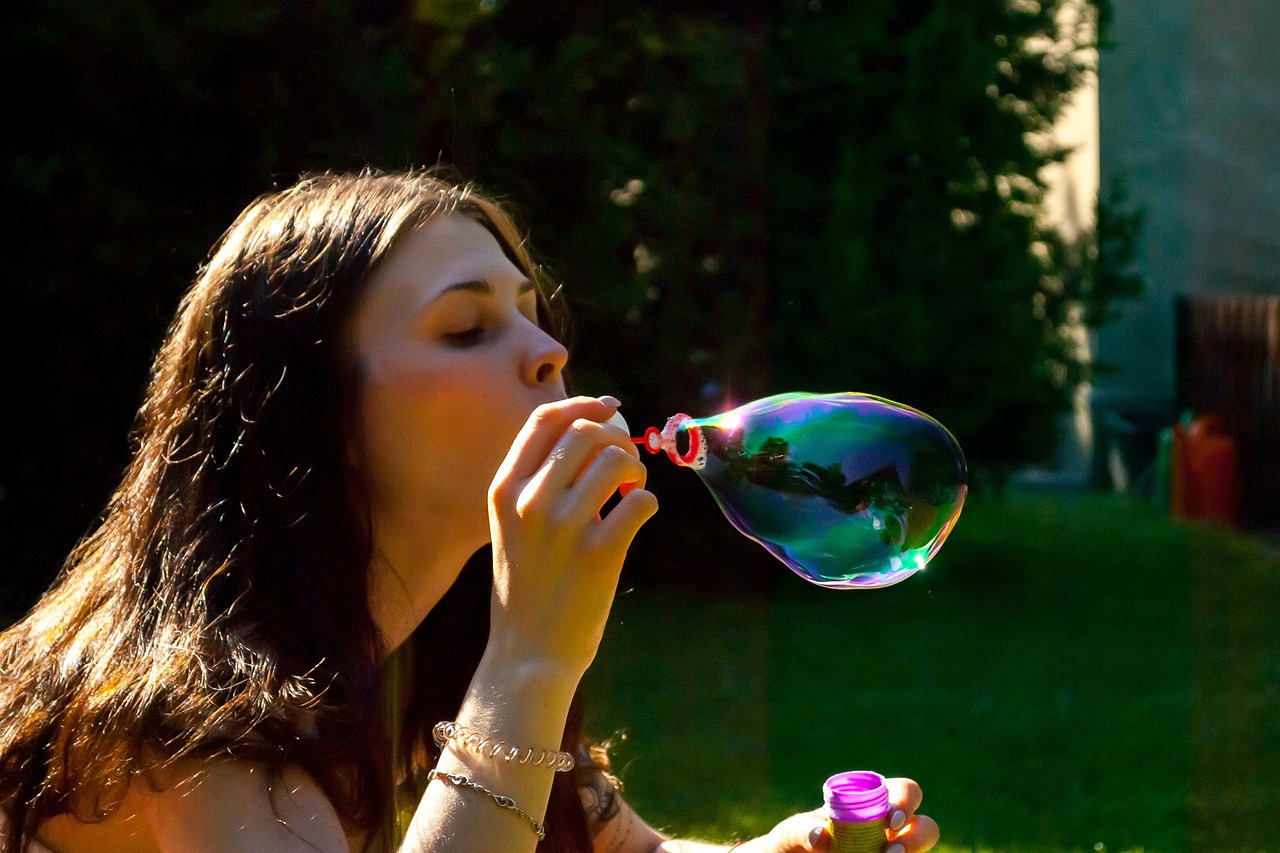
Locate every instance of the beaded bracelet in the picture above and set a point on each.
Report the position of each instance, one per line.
(460, 781)
(450, 732)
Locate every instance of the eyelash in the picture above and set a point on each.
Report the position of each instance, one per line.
(473, 336)
(467, 337)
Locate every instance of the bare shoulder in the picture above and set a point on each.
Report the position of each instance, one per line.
(235, 805)
(213, 807)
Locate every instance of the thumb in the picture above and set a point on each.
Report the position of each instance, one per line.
(802, 833)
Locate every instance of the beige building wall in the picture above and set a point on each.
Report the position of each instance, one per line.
(1070, 207)
(1189, 107)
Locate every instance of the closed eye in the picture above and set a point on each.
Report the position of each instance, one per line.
(466, 338)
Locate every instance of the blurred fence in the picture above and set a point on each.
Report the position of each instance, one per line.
(1229, 365)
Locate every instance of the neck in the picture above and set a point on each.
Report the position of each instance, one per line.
(409, 574)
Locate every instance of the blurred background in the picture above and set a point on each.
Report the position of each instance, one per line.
(1052, 224)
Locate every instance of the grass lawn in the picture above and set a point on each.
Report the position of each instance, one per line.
(1072, 672)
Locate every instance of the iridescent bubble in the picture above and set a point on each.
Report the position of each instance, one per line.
(849, 490)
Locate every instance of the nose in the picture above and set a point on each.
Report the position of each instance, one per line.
(545, 360)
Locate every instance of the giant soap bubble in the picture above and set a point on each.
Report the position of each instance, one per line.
(849, 490)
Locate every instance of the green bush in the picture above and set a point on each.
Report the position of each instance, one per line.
(805, 197)
(739, 199)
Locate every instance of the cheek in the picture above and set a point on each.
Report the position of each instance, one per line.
(430, 435)
(412, 399)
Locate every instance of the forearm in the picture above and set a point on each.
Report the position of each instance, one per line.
(627, 832)
(521, 703)
(678, 846)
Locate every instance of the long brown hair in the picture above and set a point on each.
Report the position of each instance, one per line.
(211, 613)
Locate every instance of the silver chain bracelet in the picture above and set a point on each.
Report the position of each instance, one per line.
(460, 781)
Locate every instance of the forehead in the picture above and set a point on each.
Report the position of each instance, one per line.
(425, 262)
(443, 251)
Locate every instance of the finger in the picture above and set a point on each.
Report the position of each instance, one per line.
(576, 451)
(905, 796)
(620, 423)
(819, 836)
(807, 831)
(611, 469)
(617, 421)
(919, 835)
(625, 520)
(544, 428)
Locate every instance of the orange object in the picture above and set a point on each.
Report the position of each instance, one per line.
(1203, 481)
(1178, 475)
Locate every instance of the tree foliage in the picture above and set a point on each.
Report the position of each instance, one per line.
(739, 198)
(805, 197)
(140, 131)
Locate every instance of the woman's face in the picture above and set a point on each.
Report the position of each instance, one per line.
(452, 362)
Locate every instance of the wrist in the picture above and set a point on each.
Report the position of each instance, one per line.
(520, 687)
(513, 661)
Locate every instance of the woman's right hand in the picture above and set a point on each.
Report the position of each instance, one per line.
(555, 570)
(556, 561)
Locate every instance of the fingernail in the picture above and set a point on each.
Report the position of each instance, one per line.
(609, 400)
(896, 848)
(896, 822)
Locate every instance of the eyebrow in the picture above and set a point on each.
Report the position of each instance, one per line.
(484, 288)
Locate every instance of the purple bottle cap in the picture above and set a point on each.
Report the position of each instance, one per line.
(856, 796)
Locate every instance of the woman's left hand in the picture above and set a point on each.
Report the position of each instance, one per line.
(808, 833)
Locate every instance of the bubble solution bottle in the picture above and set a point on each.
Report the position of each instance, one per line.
(858, 808)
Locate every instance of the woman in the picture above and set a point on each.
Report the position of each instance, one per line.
(252, 652)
